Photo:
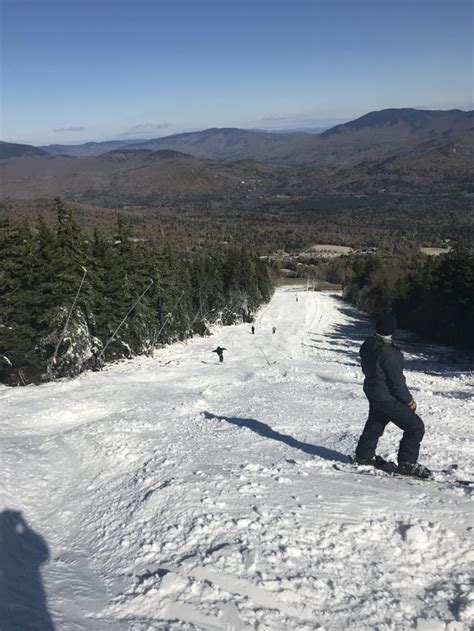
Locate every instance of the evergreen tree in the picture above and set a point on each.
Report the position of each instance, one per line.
(17, 328)
(56, 318)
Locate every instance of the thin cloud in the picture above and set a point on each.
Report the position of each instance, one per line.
(76, 128)
(146, 126)
(272, 119)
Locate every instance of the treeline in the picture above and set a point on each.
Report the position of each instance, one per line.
(71, 300)
(433, 296)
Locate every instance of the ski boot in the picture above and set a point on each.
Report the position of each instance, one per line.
(415, 469)
(378, 463)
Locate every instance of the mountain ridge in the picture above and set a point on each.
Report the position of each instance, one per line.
(413, 117)
(15, 150)
(374, 135)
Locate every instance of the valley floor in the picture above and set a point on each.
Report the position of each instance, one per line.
(181, 493)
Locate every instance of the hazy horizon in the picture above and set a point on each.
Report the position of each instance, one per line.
(197, 130)
(310, 130)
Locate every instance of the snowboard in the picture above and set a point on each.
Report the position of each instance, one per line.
(386, 469)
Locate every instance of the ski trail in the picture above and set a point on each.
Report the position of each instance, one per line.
(176, 492)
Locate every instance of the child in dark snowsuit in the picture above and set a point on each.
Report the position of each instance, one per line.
(389, 400)
(220, 353)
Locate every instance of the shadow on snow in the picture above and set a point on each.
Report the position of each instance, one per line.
(23, 604)
(267, 432)
(427, 357)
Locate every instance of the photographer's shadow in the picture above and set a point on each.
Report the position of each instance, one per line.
(23, 604)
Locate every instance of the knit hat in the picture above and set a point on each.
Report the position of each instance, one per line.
(386, 324)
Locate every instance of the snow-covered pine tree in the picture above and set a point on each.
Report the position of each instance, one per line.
(67, 294)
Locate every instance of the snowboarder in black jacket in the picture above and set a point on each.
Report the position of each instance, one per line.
(220, 352)
(389, 400)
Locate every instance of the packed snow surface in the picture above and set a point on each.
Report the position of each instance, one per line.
(178, 492)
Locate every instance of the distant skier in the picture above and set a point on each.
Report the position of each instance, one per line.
(389, 401)
(253, 330)
(274, 330)
(220, 352)
(296, 298)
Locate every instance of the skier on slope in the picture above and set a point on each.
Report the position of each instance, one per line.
(389, 400)
(220, 352)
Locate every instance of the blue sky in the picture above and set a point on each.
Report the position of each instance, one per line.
(78, 70)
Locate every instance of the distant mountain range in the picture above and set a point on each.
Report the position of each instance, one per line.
(394, 149)
(375, 135)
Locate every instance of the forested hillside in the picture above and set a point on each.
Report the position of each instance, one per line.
(72, 300)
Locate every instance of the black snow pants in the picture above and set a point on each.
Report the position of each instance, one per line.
(380, 414)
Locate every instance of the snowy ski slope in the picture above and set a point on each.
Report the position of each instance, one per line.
(180, 493)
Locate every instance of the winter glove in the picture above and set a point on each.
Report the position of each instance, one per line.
(412, 405)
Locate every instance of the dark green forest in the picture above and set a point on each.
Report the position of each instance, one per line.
(73, 300)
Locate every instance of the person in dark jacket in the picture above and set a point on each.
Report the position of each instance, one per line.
(220, 352)
(390, 400)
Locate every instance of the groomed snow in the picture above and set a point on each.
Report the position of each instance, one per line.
(180, 493)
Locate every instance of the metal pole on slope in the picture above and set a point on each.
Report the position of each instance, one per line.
(66, 325)
(266, 358)
(124, 319)
(169, 315)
